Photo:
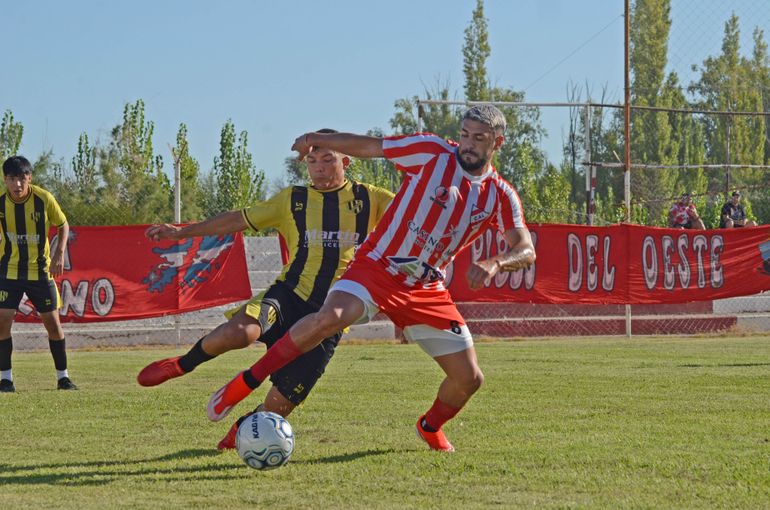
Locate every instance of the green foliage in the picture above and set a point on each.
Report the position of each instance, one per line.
(189, 175)
(476, 51)
(11, 133)
(236, 183)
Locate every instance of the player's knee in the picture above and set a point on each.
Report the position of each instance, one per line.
(329, 321)
(237, 335)
(471, 382)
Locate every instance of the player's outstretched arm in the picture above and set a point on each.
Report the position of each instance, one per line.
(225, 223)
(358, 146)
(520, 255)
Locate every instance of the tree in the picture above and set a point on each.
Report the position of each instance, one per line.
(189, 170)
(476, 50)
(238, 183)
(730, 82)
(10, 135)
(651, 133)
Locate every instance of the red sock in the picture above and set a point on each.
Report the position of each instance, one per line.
(439, 414)
(277, 356)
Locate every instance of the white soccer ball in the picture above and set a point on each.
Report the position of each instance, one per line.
(264, 440)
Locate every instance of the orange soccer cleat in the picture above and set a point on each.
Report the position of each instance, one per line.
(436, 440)
(225, 398)
(159, 372)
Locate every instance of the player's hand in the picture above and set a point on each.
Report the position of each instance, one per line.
(57, 264)
(480, 274)
(164, 231)
(301, 146)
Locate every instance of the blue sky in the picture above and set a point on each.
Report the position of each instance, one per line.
(278, 69)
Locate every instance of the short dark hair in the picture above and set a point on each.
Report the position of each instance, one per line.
(17, 165)
(736, 193)
(488, 115)
(327, 130)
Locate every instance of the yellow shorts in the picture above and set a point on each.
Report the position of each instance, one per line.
(252, 307)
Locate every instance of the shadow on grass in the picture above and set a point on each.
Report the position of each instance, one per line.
(348, 457)
(732, 365)
(97, 473)
(105, 472)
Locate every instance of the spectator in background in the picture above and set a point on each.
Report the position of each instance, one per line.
(733, 215)
(684, 215)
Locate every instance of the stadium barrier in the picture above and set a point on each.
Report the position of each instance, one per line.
(743, 314)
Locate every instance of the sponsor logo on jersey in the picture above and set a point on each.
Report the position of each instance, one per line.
(34, 216)
(414, 267)
(440, 196)
(23, 238)
(331, 239)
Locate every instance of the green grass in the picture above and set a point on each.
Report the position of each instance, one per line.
(593, 423)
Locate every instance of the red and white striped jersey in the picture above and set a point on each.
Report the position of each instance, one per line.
(439, 209)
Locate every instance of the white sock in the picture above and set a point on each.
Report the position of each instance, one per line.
(61, 373)
(6, 374)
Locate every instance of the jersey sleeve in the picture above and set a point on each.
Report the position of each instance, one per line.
(268, 213)
(510, 214)
(381, 199)
(411, 152)
(55, 215)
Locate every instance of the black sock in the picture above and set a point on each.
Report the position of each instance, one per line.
(6, 348)
(194, 357)
(59, 353)
(426, 427)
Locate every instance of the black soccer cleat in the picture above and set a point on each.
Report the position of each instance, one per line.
(6, 386)
(65, 384)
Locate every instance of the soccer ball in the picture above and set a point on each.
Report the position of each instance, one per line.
(264, 441)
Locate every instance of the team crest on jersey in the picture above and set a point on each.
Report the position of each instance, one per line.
(3, 295)
(440, 196)
(478, 214)
(298, 206)
(193, 259)
(356, 206)
(34, 216)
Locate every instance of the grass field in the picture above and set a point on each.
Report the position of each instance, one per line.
(580, 423)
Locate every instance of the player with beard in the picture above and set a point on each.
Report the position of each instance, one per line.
(449, 196)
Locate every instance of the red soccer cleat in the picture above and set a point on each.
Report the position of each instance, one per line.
(225, 398)
(159, 372)
(228, 442)
(436, 440)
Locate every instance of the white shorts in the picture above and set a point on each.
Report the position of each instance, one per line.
(434, 341)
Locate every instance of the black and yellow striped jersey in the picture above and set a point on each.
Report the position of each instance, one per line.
(25, 253)
(322, 230)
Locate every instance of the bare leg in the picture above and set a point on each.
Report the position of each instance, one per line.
(338, 311)
(239, 332)
(52, 325)
(463, 377)
(277, 403)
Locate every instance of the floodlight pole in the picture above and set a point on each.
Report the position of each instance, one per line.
(627, 135)
(177, 219)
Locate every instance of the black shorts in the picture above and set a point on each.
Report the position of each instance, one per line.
(280, 309)
(42, 293)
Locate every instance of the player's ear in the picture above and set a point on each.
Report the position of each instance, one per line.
(499, 139)
(345, 161)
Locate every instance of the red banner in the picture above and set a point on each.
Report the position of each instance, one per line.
(115, 273)
(624, 264)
